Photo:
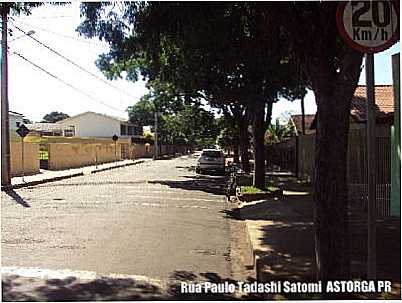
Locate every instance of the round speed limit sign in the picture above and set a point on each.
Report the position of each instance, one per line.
(368, 26)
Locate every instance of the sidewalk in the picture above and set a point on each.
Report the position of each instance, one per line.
(49, 176)
(281, 235)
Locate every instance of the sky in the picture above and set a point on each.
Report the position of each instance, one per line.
(35, 93)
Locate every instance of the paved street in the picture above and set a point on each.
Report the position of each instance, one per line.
(157, 219)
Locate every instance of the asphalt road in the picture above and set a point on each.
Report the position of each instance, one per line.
(158, 220)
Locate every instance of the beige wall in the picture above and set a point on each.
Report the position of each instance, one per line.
(71, 155)
(31, 160)
(143, 151)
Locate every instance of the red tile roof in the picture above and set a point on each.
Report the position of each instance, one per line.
(308, 119)
(384, 99)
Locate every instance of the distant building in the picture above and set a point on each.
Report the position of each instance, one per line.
(50, 129)
(16, 120)
(91, 124)
(384, 101)
(309, 123)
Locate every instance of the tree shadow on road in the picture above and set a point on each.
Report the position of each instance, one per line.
(16, 197)
(17, 289)
(206, 183)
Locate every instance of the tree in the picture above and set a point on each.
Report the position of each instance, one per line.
(193, 125)
(142, 113)
(240, 63)
(277, 132)
(228, 139)
(54, 116)
(333, 70)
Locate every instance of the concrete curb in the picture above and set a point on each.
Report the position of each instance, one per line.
(256, 259)
(58, 178)
(251, 259)
(250, 249)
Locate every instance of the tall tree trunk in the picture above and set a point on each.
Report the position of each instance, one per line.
(333, 94)
(259, 129)
(303, 116)
(244, 145)
(330, 195)
(236, 153)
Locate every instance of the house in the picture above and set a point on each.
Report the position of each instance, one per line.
(309, 123)
(50, 129)
(91, 124)
(16, 120)
(384, 100)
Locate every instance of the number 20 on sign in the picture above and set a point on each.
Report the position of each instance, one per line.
(368, 26)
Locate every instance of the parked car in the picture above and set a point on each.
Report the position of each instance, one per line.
(211, 160)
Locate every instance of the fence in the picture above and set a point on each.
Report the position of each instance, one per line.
(357, 169)
(356, 166)
(282, 155)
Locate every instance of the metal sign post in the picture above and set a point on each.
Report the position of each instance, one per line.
(115, 138)
(371, 168)
(369, 27)
(22, 156)
(22, 131)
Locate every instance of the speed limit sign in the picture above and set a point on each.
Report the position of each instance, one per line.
(368, 26)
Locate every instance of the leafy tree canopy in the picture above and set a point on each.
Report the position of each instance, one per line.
(54, 117)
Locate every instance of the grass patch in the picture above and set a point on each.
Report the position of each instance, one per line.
(254, 190)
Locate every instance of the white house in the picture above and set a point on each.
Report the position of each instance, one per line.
(16, 120)
(91, 124)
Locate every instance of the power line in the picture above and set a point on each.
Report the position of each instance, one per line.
(60, 34)
(65, 82)
(75, 64)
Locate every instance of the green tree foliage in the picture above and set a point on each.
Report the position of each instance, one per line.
(17, 8)
(277, 132)
(241, 62)
(142, 113)
(54, 117)
(228, 138)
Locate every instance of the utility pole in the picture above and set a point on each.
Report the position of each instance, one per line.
(156, 135)
(5, 129)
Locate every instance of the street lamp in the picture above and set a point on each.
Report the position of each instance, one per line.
(30, 33)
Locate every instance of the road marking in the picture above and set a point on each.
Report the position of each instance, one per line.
(43, 273)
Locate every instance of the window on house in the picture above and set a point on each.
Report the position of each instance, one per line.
(70, 131)
(123, 130)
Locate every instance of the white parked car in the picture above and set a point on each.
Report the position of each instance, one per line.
(211, 160)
